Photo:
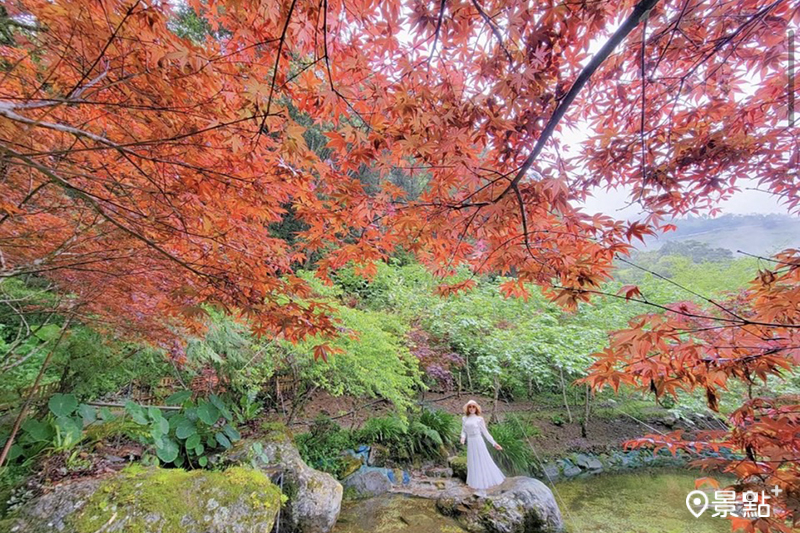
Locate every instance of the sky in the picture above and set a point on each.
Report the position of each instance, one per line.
(746, 202)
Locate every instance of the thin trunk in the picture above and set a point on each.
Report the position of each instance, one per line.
(280, 395)
(564, 393)
(587, 408)
(586, 412)
(469, 377)
(23, 411)
(493, 418)
(62, 381)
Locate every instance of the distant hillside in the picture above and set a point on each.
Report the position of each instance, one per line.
(755, 234)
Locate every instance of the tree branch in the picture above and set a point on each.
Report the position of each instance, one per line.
(494, 29)
(639, 13)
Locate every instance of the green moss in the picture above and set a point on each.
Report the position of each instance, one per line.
(166, 500)
(459, 466)
(349, 465)
(275, 431)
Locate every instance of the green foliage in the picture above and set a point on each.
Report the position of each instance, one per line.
(373, 361)
(322, 446)
(91, 366)
(512, 434)
(188, 25)
(59, 430)
(189, 436)
(386, 430)
(426, 434)
(447, 425)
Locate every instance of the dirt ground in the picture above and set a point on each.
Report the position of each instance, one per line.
(603, 433)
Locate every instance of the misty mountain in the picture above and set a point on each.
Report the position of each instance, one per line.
(754, 234)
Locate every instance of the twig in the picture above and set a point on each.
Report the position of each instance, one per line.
(113, 404)
(436, 31)
(495, 30)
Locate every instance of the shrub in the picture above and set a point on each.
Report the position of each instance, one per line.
(446, 424)
(512, 434)
(190, 435)
(59, 430)
(322, 446)
(386, 430)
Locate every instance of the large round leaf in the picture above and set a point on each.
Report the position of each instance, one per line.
(231, 432)
(186, 429)
(156, 433)
(193, 442)
(176, 420)
(223, 440)
(155, 413)
(88, 413)
(137, 413)
(37, 431)
(70, 430)
(219, 404)
(179, 397)
(63, 404)
(208, 413)
(167, 450)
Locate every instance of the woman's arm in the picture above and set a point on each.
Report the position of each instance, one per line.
(486, 433)
(463, 432)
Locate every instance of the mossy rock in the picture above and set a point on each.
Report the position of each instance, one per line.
(349, 466)
(314, 497)
(378, 456)
(518, 505)
(459, 466)
(155, 500)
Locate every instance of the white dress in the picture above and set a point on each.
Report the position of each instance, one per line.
(482, 473)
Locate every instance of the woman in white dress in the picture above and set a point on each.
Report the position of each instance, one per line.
(482, 473)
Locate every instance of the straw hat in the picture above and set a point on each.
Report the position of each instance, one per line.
(477, 407)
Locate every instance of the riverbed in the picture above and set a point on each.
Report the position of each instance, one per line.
(644, 501)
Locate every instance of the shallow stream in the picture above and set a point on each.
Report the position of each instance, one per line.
(643, 501)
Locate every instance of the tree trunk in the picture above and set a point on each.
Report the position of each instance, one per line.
(586, 412)
(564, 393)
(587, 408)
(493, 418)
(25, 406)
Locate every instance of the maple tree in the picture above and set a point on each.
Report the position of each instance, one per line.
(142, 171)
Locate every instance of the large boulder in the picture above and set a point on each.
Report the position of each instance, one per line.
(154, 500)
(368, 483)
(518, 505)
(315, 498)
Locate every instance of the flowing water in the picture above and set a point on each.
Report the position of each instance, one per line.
(633, 502)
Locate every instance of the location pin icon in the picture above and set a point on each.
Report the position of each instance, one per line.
(697, 502)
